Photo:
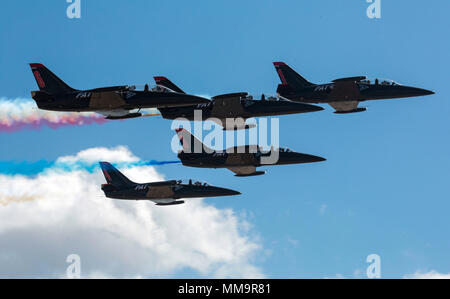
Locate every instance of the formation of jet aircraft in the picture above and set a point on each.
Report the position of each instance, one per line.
(295, 95)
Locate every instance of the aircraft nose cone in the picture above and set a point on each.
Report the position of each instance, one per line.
(421, 92)
(426, 92)
(295, 158)
(312, 158)
(228, 192)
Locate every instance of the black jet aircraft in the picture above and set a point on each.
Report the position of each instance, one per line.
(243, 160)
(233, 106)
(162, 193)
(343, 94)
(113, 102)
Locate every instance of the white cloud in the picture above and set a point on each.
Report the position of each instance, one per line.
(427, 275)
(45, 218)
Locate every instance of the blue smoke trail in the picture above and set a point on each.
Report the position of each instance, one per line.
(34, 168)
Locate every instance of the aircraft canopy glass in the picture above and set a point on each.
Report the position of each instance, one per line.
(264, 98)
(285, 150)
(147, 87)
(380, 81)
(192, 182)
(281, 149)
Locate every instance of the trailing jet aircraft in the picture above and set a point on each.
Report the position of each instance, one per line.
(162, 193)
(343, 94)
(113, 102)
(243, 161)
(233, 106)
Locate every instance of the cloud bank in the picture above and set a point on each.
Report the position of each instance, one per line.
(428, 275)
(46, 217)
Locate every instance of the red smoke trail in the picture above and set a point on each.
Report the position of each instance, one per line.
(36, 124)
(21, 114)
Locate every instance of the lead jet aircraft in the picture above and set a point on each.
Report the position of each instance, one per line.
(113, 102)
(162, 193)
(232, 106)
(243, 161)
(343, 94)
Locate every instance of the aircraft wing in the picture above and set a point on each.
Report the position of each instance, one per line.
(245, 171)
(346, 107)
(118, 114)
(122, 114)
(344, 97)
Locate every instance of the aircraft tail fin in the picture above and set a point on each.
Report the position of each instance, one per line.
(114, 177)
(49, 82)
(163, 81)
(290, 77)
(190, 143)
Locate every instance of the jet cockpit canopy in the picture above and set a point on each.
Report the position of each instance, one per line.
(285, 150)
(192, 182)
(147, 87)
(380, 81)
(162, 89)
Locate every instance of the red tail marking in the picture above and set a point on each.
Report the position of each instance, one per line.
(39, 80)
(107, 175)
(157, 79)
(36, 65)
(280, 73)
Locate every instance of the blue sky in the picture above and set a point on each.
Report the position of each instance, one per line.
(384, 188)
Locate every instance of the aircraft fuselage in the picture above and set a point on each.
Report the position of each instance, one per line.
(238, 106)
(165, 190)
(110, 99)
(349, 91)
(237, 158)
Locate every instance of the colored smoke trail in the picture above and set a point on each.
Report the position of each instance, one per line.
(34, 168)
(19, 114)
